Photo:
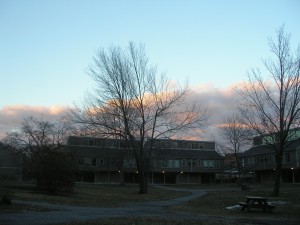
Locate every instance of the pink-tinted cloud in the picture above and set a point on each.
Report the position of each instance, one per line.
(11, 116)
(219, 102)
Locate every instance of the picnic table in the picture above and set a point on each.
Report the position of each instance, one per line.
(257, 203)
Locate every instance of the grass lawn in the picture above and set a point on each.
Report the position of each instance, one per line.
(214, 203)
(149, 221)
(107, 195)
(22, 208)
(217, 199)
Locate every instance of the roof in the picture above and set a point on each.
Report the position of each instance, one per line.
(158, 143)
(90, 151)
(157, 153)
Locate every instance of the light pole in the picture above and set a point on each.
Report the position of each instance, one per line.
(293, 174)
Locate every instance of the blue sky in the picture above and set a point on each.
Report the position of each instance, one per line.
(46, 46)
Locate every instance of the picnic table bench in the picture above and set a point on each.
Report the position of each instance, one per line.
(257, 203)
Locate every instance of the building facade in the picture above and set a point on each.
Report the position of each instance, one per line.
(260, 160)
(10, 164)
(172, 161)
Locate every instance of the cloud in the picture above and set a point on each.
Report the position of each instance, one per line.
(219, 102)
(11, 116)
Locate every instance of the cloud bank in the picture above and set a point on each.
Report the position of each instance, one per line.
(11, 116)
(219, 102)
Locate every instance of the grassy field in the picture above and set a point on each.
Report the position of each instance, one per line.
(217, 199)
(150, 221)
(213, 204)
(108, 195)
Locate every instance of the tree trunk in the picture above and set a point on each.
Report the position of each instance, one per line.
(121, 177)
(121, 172)
(143, 182)
(238, 166)
(276, 187)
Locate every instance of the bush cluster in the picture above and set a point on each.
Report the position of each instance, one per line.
(54, 172)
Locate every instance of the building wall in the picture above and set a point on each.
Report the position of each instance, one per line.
(102, 161)
(264, 165)
(10, 164)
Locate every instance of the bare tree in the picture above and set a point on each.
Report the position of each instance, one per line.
(132, 103)
(271, 106)
(43, 145)
(236, 137)
(36, 134)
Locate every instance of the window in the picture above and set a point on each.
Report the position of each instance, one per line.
(294, 134)
(268, 139)
(111, 144)
(92, 142)
(199, 163)
(87, 161)
(251, 160)
(90, 161)
(175, 144)
(183, 162)
(217, 164)
(208, 163)
(129, 163)
(287, 157)
(176, 163)
(191, 163)
(164, 163)
(272, 158)
(80, 162)
(94, 162)
(197, 145)
(210, 146)
(171, 163)
(101, 161)
(194, 145)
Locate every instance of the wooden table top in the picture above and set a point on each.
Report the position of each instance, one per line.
(256, 197)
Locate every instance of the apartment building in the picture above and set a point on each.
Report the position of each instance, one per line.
(172, 161)
(260, 160)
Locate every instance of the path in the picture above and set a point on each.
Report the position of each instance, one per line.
(66, 213)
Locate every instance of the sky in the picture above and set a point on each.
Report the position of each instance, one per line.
(46, 47)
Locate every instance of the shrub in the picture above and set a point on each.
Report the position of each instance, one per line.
(54, 172)
(6, 194)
